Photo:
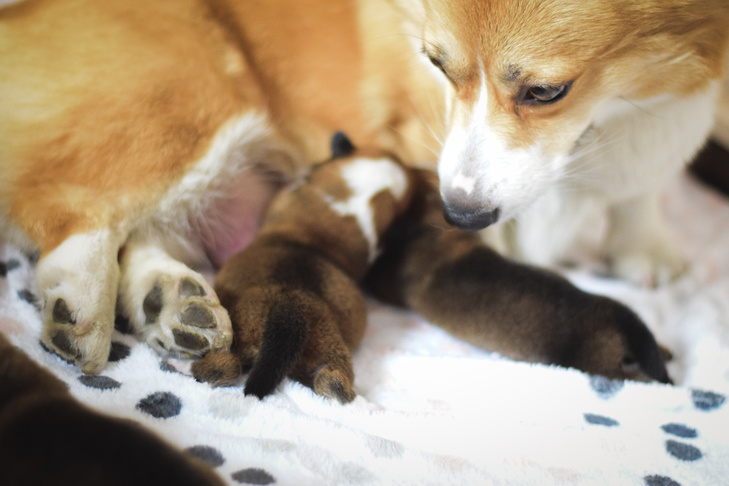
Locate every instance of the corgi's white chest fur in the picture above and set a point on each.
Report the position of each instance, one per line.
(634, 145)
(620, 166)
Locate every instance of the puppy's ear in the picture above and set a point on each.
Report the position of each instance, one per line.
(341, 145)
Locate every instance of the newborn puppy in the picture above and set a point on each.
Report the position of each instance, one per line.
(293, 293)
(450, 278)
(47, 437)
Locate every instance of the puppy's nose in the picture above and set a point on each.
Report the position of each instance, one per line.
(468, 214)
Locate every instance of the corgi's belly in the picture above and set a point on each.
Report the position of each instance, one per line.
(230, 222)
(219, 203)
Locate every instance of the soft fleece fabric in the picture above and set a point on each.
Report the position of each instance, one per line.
(433, 410)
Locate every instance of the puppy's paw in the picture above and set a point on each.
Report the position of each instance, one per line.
(334, 383)
(79, 338)
(183, 317)
(650, 266)
(217, 369)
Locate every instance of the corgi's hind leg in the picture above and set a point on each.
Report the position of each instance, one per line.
(170, 306)
(639, 247)
(78, 283)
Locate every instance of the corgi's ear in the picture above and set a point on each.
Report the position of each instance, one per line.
(341, 145)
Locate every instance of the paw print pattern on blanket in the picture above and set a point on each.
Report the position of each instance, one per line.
(30, 298)
(6, 267)
(214, 458)
(24, 294)
(298, 438)
(684, 452)
(680, 450)
(207, 454)
(706, 400)
(100, 382)
(594, 419)
(605, 387)
(253, 476)
(656, 480)
(118, 351)
(161, 405)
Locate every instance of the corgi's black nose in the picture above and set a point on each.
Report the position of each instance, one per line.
(470, 218)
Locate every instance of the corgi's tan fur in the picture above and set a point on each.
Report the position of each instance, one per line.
(168, 126)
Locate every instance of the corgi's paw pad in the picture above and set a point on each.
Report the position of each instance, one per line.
(184, 319)
(333, 383)
(84, 341)
(651, 267)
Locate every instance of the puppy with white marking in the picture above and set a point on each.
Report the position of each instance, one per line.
(452, 279)
(293, 293)
(166, 127)
(297, 309)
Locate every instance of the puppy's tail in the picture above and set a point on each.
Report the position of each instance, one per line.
(283, 341)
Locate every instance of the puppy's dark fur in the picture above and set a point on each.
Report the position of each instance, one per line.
(452, 279)
(297, 310)
(48, 438)
(293, 294)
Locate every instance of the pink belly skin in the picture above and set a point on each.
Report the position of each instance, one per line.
(231, 221)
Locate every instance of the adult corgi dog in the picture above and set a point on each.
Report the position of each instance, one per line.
(560, 107)
(141, 139)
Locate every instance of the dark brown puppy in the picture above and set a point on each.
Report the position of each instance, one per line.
(293, 293)
(47, 437)
(452, 279)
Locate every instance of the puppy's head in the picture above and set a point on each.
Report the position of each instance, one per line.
(369, 182)
(614, 342)
(345, 204)
(527, 78)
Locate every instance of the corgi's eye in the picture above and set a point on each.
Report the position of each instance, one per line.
(439, 64)
(436, 62)
(544, 94)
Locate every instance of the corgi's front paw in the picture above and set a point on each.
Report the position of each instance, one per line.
(649, 266)
(184, 319)
(79, 338)
(78, 281)
(170, 307)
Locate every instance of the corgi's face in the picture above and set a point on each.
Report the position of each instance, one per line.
(525, 80)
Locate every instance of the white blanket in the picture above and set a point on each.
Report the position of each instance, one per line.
(433, 410)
